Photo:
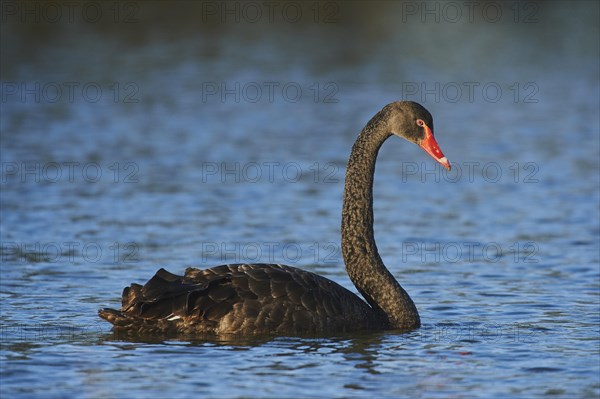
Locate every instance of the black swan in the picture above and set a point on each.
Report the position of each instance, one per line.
(251, 299)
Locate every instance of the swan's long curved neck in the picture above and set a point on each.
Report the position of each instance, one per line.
(363, 263)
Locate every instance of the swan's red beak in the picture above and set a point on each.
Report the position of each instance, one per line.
(432, 148)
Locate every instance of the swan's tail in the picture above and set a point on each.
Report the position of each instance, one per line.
(162, 305)
(120, 318)
(115, 317)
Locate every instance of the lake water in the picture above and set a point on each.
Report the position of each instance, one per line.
(143, 135)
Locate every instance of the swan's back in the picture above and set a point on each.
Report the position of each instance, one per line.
(241, 299)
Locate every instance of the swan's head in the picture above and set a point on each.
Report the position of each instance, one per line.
(413, 122)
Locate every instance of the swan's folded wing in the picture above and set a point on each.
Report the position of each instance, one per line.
(242, 298)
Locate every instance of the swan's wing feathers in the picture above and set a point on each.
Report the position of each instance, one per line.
(293, 291)
(130, 295)
(166, 295)
(243, 298)
(162, 284)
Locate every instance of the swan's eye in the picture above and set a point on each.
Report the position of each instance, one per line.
(420, 122)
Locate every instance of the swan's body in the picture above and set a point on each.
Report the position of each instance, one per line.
(250, 299)
(242, 299)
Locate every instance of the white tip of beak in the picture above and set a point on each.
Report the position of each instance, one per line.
(444, 161)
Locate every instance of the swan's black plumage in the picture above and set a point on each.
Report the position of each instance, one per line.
(243, 299)
(250, 299)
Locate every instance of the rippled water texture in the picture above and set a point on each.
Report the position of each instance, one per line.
(183, 134)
